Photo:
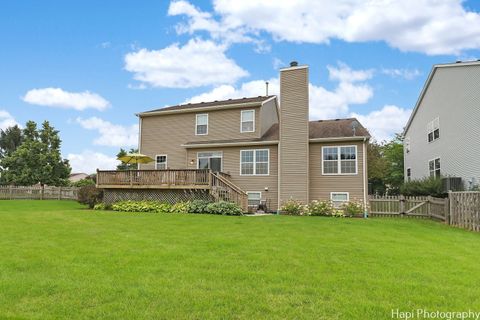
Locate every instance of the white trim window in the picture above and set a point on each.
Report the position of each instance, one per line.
(161, 162)
(255, 162)
(247, 121)
(433, 130)
(434, 167)
(254, 198)
(201, 124)
(409, 174)
(339, 160)
(339, 198)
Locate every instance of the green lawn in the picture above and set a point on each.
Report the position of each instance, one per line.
(61, 261)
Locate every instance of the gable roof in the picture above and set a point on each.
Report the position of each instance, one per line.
(217, 103)
(429, 80)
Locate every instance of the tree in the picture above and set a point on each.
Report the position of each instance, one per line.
(393, 153)
(124, 166)
(37, 159)
(385, 166)
(10, 139)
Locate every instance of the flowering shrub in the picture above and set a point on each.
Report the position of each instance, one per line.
(293, 207)
(320, 208)
(353, 208)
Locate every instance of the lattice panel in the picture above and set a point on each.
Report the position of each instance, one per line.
(170, 196)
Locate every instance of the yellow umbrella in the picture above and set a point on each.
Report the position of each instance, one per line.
(135, 158)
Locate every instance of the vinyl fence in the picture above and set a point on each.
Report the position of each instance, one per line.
(38, 193)
(460, 209)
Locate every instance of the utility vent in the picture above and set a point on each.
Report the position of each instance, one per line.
(452, 184)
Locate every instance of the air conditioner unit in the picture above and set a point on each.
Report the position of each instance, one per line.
(452, 184)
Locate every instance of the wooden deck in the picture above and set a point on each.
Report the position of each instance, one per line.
(154, 179)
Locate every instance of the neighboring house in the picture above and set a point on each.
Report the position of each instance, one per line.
(74, 177)
(270, 151)
(441, 136)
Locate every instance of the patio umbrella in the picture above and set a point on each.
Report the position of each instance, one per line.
(135, 158)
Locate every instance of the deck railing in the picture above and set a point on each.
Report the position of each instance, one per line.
(223, 189)
(170, 178)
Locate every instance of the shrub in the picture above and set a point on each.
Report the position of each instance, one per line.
(141, 206)
(224, 208)
(83, 183)
(320, 208)
(293, 207)
(101, 206)
(90, 195)
(198, 206)
(353, 208)
(180, 207)
(338, 213)
(423, 187)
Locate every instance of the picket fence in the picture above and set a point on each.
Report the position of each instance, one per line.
(460, 209)
(38, 193)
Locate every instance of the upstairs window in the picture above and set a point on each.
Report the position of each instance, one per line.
(161, 162)
(339, 160)
(254, 162)
(201, 124)
(433, 129)
(247, 122)
(434, 167)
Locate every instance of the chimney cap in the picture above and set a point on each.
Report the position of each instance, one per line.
(294, 64)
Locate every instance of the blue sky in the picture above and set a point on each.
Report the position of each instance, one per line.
(88, 66)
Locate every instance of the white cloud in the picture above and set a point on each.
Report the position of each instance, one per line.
(57, 97)
(324, 103)
(407, 74)
(428, 26)
(197, 63)
(6, 120)
(384, 123)
(112, 135)
(89, 161)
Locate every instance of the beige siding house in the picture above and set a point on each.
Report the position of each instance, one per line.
(263, 147)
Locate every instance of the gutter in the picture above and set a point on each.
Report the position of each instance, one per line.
(227, 144)
(365, 181)
(356, 138)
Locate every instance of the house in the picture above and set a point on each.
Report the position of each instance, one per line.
(441, 136)
(263, 148)
(75, 177)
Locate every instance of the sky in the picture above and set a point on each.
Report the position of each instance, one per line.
(88, 66)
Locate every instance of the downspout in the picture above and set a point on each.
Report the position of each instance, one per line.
(365, 185)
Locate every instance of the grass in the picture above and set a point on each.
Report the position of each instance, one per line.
(61, 261)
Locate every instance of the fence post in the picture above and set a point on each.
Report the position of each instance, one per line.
(11, 192)
(402, 205)
(59, 193)
(446, 208)
(429, 207)
(42, 191)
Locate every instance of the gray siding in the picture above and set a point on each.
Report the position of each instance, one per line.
(453, 96)
(268, 115)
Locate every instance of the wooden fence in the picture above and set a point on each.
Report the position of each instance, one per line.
(460, 209)
(465, 210)
(38, 193)
(422, 207)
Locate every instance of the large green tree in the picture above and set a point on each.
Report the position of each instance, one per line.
(37, 159)
(123, 166)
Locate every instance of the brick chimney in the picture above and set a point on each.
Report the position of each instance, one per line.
(293, 146)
